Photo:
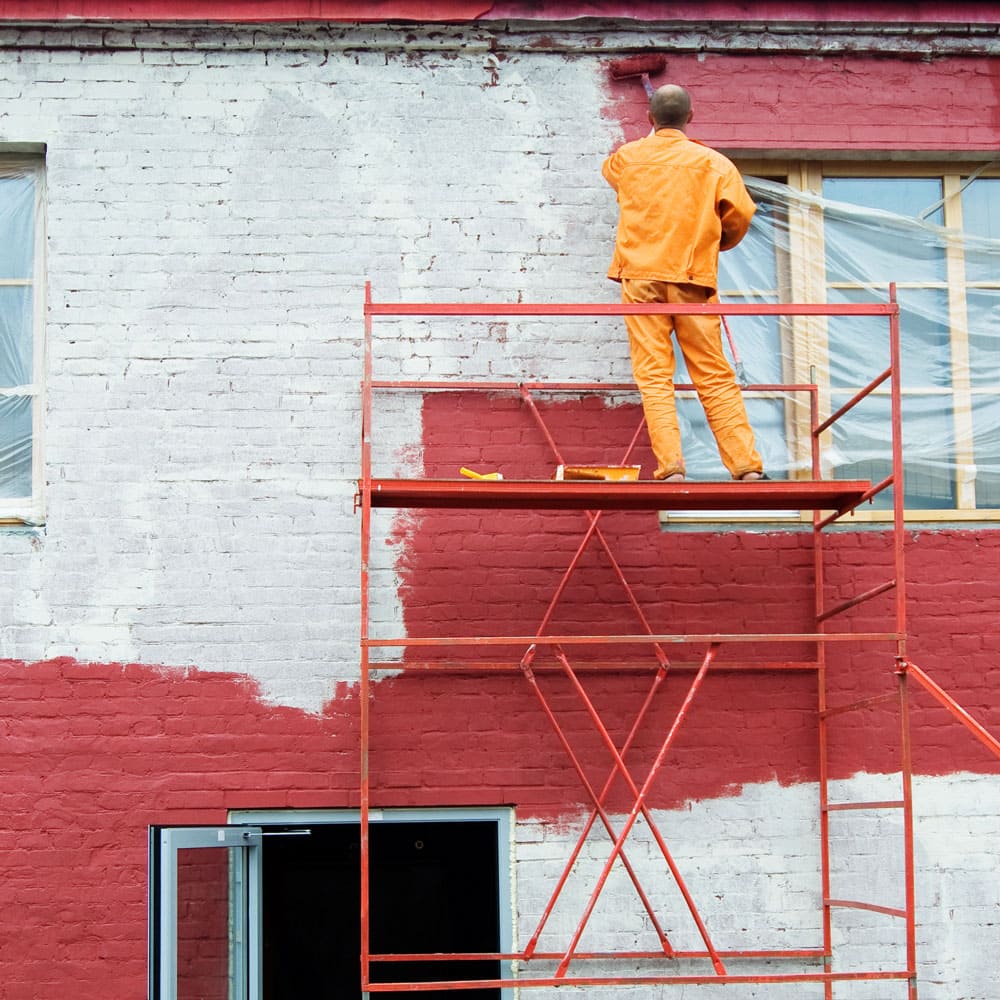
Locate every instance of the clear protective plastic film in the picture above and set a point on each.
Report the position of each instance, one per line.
(18, 213)
(848, 246)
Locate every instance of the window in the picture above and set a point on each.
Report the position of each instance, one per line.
(21, 317)
(840, 232)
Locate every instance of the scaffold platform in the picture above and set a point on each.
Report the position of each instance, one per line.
(839, 496)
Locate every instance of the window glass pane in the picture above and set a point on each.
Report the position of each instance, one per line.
(984, 377)
(15, 335)
(749, 273)
(701, 457)
(861, 448)
(986, 444)
(752, 345)
(767, 418)
(751, 263)
(859, 348)
(984, 337)
(15, 447)
(981, 257)
(880, 245)
(910, 197)
(17, 225)
(18, 220)
(981, 209)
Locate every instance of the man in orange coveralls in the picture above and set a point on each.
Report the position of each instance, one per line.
(680, 203)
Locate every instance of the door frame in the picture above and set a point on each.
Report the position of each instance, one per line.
(502, 816)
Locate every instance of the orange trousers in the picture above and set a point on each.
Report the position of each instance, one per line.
(653, 364)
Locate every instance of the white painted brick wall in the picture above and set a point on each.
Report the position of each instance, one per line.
(752, 865)
(213, 212)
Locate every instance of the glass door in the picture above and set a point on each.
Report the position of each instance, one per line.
(207, 917)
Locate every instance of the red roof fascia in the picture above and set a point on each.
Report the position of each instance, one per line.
(240, 11)
(236, 11)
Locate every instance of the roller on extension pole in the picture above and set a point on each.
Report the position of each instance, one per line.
(642, 66)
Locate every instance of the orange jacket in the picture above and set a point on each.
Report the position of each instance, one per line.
(679, 203)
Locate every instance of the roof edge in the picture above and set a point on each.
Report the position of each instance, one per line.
(439, 11)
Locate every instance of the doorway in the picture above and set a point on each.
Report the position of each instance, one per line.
(434, 888)
(268, 907)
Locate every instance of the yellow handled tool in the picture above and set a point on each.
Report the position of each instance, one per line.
(469, 474)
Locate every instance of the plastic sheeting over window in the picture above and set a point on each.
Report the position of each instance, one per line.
(19, 212)
(848, 246)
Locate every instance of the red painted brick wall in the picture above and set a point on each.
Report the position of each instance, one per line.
(494, 573)
(850, 103)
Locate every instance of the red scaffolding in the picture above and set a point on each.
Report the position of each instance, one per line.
(829, 500)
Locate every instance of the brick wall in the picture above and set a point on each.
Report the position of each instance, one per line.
(181, 636)
(845, 102)
(96, 753)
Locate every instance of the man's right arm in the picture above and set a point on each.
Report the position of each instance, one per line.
(736, 208)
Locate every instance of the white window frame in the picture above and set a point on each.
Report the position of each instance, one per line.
(31, 510)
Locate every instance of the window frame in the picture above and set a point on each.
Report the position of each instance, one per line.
(31, 510)
(805, 278)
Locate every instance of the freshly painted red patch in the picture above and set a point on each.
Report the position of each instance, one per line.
(486, 573)
(848, 103)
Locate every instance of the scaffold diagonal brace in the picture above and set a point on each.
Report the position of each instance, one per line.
(640, 807)
(598, 801)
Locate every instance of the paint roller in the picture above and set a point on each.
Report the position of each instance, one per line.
(741, 372)
(642, 66)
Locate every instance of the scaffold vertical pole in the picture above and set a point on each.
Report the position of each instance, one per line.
(909, 867)
(899, 542)
(898, 487)
(364, 692)
(822, 724)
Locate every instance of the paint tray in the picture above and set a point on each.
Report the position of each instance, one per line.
(598, 473)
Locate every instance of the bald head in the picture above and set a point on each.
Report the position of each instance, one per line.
(670, 107)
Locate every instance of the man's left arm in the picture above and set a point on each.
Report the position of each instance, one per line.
(611, 169)
(609, 172)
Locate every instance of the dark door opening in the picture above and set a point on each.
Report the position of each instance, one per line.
(434, 887)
